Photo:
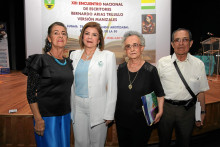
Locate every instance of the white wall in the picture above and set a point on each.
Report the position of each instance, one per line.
(33, 25)
(163, 28)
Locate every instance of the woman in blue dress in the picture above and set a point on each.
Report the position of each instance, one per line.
(49, 84)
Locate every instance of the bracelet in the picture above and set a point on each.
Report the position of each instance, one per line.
(203, 112)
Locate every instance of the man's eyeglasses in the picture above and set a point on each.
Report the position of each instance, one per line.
(178, 40)
(135, 46)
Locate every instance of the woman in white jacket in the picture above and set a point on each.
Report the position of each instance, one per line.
(94, 91)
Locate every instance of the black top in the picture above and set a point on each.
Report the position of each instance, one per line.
(129, 104)
(49, 84)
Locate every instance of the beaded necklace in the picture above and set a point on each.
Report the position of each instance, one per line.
(58, 60)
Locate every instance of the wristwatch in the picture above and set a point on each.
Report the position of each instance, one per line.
(203, 112)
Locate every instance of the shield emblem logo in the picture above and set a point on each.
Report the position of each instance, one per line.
(49, 4)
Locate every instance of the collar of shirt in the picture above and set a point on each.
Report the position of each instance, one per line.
(174, 58)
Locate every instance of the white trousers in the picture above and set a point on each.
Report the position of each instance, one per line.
(84, 135)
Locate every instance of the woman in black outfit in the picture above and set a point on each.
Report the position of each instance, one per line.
(48, 90)
(136, 78)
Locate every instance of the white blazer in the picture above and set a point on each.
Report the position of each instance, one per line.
(102, 85)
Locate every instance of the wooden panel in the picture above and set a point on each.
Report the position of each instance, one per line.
(16, 129)
(13, 94)
(212, 120)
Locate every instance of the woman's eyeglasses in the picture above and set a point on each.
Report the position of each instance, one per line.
(135, 46)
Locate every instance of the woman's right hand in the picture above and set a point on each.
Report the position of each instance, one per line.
(39, 127)
(39, 122)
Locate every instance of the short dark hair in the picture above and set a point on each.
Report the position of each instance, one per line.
(182, 29)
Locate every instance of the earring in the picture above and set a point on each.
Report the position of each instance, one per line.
(126, 59)
(48, 46)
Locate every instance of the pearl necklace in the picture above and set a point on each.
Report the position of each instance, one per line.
(60, 63)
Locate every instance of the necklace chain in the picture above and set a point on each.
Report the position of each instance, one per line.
(130, 85)
(58, 60)
(87, 56)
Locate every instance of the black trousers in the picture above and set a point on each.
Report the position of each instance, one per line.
(179, 118)
(133, 136)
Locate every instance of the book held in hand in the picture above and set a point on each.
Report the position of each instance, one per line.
(150, 107)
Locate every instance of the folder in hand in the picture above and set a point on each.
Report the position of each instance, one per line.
(150, 107)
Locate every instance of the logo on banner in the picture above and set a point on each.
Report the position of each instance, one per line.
(49, 4)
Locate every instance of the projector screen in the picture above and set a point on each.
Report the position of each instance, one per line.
(152, 18)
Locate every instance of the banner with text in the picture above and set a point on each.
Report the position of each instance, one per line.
(115, 16)
(4, 57)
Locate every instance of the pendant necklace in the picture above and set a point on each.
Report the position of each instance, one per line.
(60, 63)
(87, 56)
(130, 85)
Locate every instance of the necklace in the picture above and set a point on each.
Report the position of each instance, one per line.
(60, 63)
(87, 56)
(130, 85)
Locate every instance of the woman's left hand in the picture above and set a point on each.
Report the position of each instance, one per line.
(158, 116)
(160, 107)
(107, 122)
